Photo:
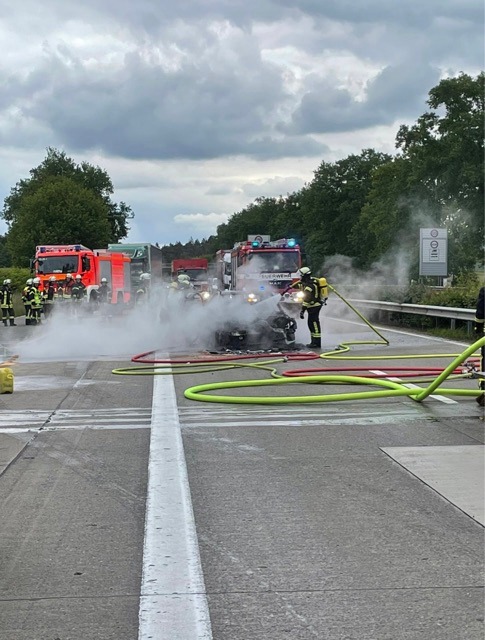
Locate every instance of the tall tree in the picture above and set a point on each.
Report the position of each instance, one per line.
(332, 202)
(446, 150)
(58, 187)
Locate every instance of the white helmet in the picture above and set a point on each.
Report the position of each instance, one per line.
(7, 281)
(36, 280)
(305, 271)
(79, 277)
(103, 280)
(53, 279)
(68, 275)
(29, 281)
(183, 277)
(145, 276)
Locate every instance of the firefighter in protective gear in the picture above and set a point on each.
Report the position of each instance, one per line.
(182, 283)
(50, 296)
(479, 328)
(314, 296)
(35, 297)
(6, 303)
(25, 301)
(78, 290)
(66, 287)
(142, 292)
(104, 292)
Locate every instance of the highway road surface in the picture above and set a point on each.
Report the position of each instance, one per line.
(129, 512)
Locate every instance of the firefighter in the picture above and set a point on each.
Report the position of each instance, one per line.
(26, 301)
(6, 303)
(104, 292)
(35, 297)
(314, 296)
(67, 287)
(182, 283)
(78, 292)
(142, 293)
(479, 328)
(50, 296)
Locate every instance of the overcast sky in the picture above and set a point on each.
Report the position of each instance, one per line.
(196, 108)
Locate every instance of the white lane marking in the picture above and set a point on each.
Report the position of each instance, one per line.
(173, 601)
(409, 385)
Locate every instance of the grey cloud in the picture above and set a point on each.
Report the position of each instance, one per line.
(397, 92)
(273, 187)
(144, 111)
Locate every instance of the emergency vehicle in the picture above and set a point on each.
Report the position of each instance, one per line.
(261, 267)
(195, 268)
(61, 259)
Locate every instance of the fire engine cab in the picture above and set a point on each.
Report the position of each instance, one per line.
(58, 260)
(261, 267)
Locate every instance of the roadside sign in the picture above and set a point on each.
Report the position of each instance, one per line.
(433, 252)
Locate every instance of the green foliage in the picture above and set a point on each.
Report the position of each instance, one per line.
(16, 275)
(5, 257)
(63, 202)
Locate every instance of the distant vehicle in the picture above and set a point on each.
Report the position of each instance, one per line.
(261, 267)
(195, 268)
(61, 259)
(145, 258)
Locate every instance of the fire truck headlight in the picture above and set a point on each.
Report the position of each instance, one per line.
(252, 297)
(299, 295)
(205, 295)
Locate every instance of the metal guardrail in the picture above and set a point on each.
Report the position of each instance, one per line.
(453, 313)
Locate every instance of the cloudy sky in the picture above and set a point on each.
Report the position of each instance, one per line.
(196, 108)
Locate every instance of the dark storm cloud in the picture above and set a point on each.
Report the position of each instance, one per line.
(398, 92)
(144, 111)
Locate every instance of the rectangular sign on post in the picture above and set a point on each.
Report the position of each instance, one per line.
(433, 252)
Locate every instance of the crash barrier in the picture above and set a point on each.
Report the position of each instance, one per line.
(6, 380)
(452, 313)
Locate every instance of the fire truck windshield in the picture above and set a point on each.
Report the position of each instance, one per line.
(275, 261)
(195, 274)
(58, 264)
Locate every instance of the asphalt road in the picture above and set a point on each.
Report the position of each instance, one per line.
(358, 519)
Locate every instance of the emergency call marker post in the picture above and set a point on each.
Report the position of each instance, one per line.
(433, 252)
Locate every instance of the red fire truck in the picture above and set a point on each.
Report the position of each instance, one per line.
(60, 259)
(262, 267)
(195, 268)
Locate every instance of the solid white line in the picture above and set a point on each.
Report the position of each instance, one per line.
(173, 602)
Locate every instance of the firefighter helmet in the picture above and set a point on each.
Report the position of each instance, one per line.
(144, 276)
(183, 277)
(68, 275)
(79, 277)
(36, 280)
(103, 280)
(29, 281)
(305, 271)
(53, 279)
(7, 281)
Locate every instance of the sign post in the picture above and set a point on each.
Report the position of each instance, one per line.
(433, 252)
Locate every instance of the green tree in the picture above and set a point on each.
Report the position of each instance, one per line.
(446, 150)
(331, 204)
(5, 257)
(40, 208)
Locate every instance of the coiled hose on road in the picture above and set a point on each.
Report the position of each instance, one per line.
(388, 388)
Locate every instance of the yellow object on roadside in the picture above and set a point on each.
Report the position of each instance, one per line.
(6, 380)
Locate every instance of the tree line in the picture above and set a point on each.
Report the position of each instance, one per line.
(366, 206)
(370, 205)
